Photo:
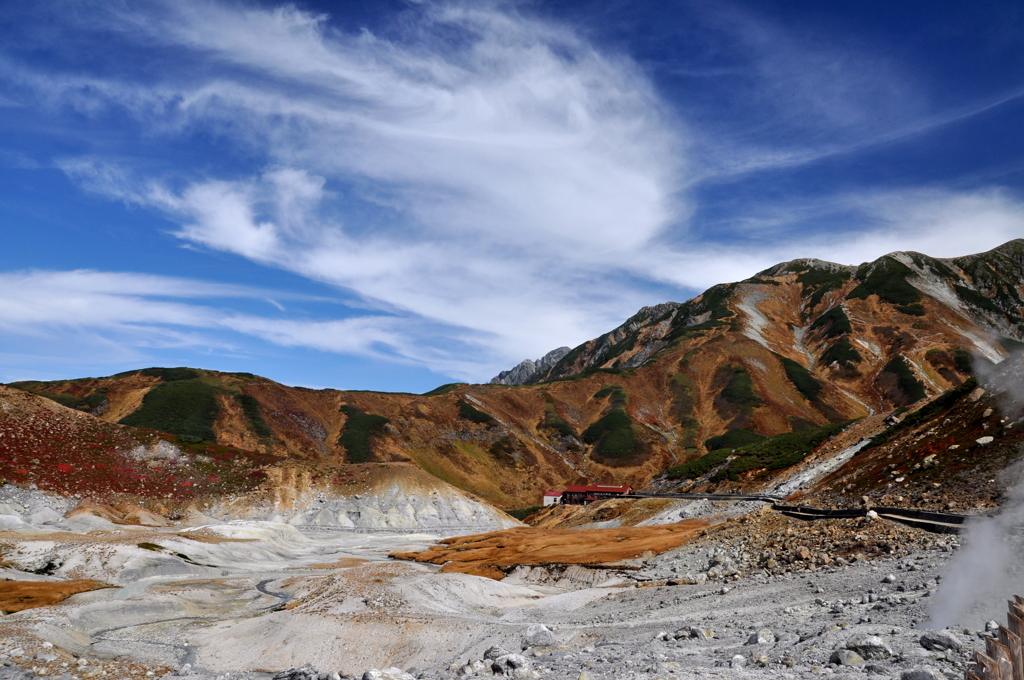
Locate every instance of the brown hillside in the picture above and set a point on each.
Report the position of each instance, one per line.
(800, 345)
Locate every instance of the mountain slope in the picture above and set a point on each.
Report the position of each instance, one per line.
(799, 346)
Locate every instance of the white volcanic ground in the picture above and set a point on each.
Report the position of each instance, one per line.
(251, 598)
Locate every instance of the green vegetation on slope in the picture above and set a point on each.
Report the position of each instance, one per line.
(182, 407)
(927, 412)
(613, 436)
(841, 353)
(251, 410)
(617, 395)
(740, 389)
(733, 439)
(443, 389)
(958, 358)
(905, 378)
(171, 374)
(819, 282)
(523, 513)
(474, 415)
(834, 321)
(887, 280)
(778, 452)
(802, 379)
(699, 467)
(358, 433)
(89, 402)
(555, 422)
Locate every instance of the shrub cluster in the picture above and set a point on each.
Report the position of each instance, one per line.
(522, 514)
(183, 407)
(612, 435)
(819, 282)
(834, 322)
(887, 280)
(171, 374)
(555, 422)
(471, 413)
(740, 389)
(251, 410)
(733, 439)
(443, 389)
(358, 433)
(905, 378)
(841, 353)
(616, 395)
(778, 452)
(927, 412)
(699, 467)
(802, 379)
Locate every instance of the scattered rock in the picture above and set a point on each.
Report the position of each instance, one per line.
(890, 578)
(871, 647)
(941, 640)
(846, 657)
(762, 637)
(922, 673)
(387, 674)
(307, 672)
(738, 661)
(496, 652)
(539, 635)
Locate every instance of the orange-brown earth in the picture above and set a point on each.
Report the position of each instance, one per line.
(16, 596)
(670, 370)
(487, 554)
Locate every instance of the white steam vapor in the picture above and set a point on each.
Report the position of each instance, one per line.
(989, 568)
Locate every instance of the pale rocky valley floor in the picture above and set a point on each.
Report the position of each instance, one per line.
(250, 599)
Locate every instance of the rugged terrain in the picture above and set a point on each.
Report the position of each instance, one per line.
(801, 345)
(217, 525)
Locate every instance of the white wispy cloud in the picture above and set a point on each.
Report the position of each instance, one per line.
(489, 184)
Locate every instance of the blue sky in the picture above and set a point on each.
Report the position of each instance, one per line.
(394, 195)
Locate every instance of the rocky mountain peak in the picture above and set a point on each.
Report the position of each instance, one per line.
(521, 374)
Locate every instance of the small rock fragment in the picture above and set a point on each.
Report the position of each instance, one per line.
(762, 637)
(846, 657)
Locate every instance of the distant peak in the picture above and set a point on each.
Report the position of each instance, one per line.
(522, 373)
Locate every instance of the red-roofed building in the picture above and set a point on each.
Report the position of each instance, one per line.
(552, 498)
(582, 495)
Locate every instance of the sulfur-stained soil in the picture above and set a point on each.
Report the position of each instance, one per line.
(486, 554)
(16, 596)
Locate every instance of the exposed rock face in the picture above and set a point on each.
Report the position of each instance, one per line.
(525, 371)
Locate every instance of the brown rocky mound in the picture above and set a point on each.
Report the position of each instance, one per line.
(16, 596)
(487, 554)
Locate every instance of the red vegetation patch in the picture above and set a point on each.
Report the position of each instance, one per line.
(71, 453)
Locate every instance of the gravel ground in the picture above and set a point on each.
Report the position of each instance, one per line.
(835, 599)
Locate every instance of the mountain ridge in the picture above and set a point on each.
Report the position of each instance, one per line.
(801, 345)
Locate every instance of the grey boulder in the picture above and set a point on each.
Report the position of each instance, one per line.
(846, 657)
(941, 640)
(922, 673)
(387, 674)
(539, 635)
(871, 647)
